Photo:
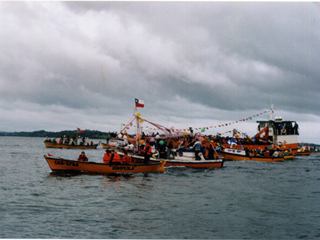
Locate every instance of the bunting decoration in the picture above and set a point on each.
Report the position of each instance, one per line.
(172, 129)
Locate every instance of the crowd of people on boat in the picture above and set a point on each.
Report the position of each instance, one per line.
(208, 145)
(71, 141)
(111, 157)
(284, 128)
(266, 152)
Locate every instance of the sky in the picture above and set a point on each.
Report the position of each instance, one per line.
(68, 65)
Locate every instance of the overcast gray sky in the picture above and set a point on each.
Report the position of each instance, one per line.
(65, 65)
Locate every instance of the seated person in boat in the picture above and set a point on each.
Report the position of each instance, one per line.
(126, 159)
(83, 157)
(276, 153)
(106, 156)
(114, 158)
(267, 154)
(219, 148)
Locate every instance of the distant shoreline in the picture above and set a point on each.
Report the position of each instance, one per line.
(65, 133)
(87, 133)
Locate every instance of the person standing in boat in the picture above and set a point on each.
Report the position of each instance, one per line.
(147, 153)
(169, 148)
(210, 152)
(162, 149)
(203, 150)
(83, 157)
(197, 149)
(295, 127)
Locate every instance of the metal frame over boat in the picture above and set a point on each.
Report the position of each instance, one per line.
(58, 164)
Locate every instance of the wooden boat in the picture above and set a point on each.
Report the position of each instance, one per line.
(69, 146)
(304, 153)
(288, 156)
(217, 163)
(109, 145)
(238, 155)
(58, 164)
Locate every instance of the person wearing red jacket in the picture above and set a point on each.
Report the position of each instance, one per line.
(83, 157)
(147, 152)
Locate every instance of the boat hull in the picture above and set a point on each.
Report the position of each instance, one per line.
(68, 146)
(66, 165)
(288, 157)
(195, 164)
(235, 157)
(192, 163)
(306, 153)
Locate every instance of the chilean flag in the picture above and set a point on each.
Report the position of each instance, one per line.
(139, 103)
(79, 130)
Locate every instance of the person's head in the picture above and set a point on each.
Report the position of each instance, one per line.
(82, 153)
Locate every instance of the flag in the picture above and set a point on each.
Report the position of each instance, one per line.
(50, 155)
(139, 103)
(79, 130)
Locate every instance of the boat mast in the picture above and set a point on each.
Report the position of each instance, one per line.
(138, 129)
(270, 117)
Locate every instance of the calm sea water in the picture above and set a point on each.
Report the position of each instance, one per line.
(242, 200)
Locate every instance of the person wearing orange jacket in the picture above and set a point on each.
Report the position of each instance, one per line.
(115, 158)
(106, 156)
(147, 152)
(126, 159)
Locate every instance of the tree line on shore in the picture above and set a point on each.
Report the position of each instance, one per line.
(93, 134)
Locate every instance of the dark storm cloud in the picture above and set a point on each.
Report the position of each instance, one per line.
(218, 60)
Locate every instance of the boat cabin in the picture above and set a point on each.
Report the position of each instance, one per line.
(279, 130)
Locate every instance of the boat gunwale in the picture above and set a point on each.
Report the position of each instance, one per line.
(252, 158)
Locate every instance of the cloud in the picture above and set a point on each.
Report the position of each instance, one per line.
(189, 61)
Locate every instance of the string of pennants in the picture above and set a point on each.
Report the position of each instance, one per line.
(202, 129)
